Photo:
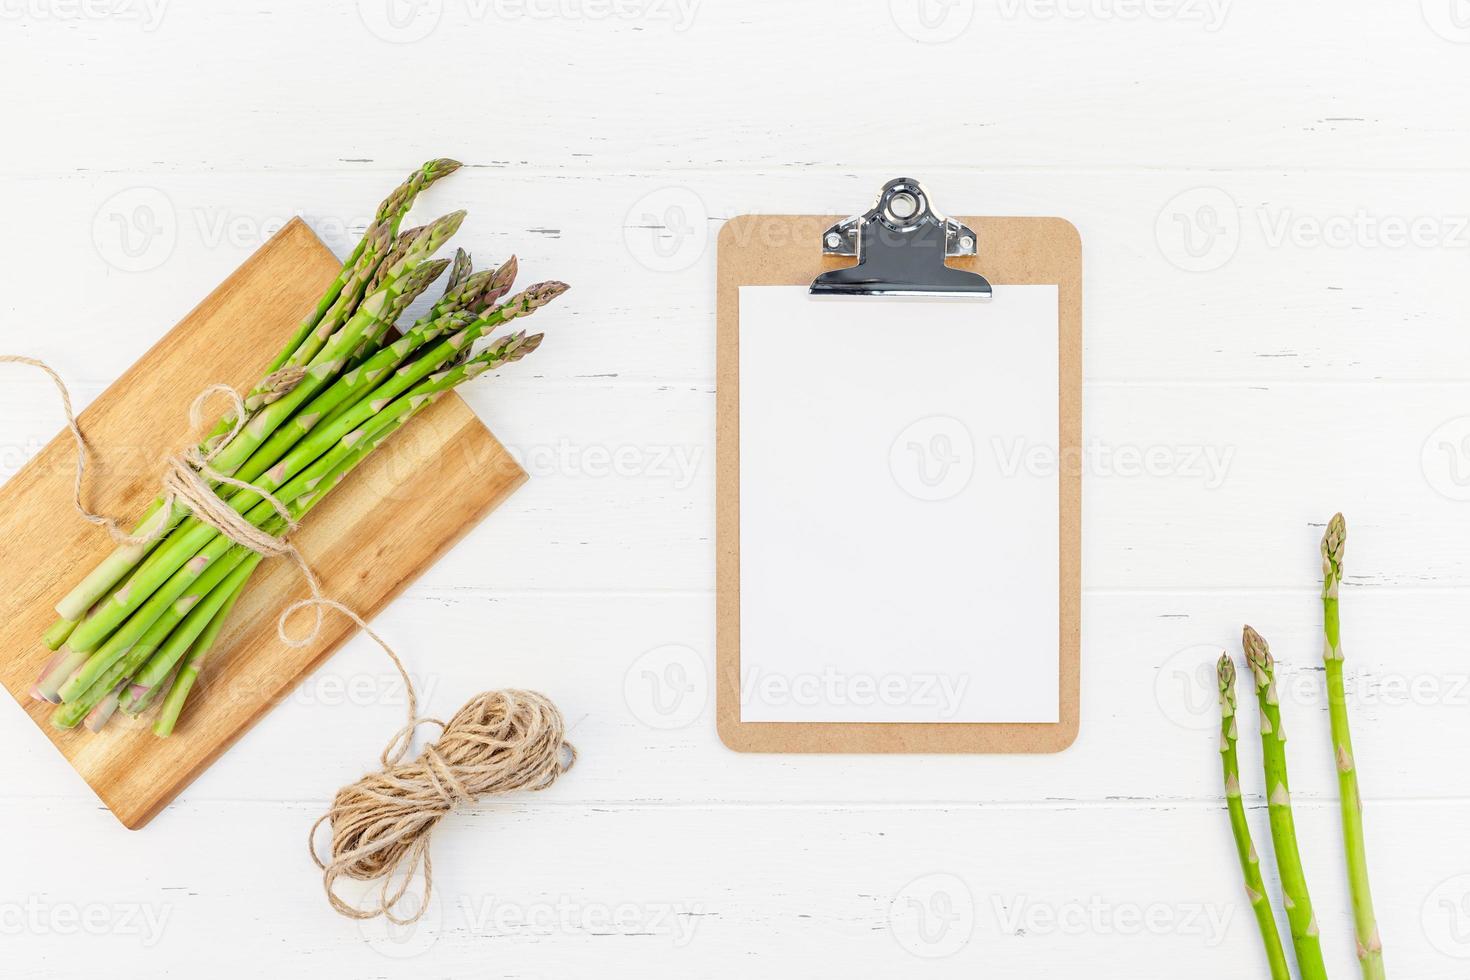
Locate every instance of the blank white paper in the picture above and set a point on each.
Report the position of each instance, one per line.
(899, 480)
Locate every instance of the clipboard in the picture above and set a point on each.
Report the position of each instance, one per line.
(903, 247)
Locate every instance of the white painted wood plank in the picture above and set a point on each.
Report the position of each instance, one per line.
(537, 889)
(1190, 275)
(657, 84)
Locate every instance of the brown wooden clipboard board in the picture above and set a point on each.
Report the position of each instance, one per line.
(784, 250)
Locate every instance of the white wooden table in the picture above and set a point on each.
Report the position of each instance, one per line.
(1276, 222)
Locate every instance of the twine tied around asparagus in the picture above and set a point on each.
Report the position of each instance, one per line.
(501, 741)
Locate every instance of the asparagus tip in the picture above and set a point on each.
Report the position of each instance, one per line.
(463, 267)
(1333, 541)
(1225, 670)
(1257, 652)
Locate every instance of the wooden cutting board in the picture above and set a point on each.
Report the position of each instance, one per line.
(374, 535)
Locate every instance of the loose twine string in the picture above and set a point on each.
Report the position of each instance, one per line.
(500, 742)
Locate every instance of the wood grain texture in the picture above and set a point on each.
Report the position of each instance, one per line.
(374, 535)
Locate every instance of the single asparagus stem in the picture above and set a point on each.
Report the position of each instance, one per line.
(1370, 946)
(1304, 932)
(58, 633)
(463, 266)
(112, 569)
(55, 674)
(135, 701)
(1250, 862)
(104, 711)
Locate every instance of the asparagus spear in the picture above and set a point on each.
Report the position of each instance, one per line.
(1250, 865)
(1370, 946)
(463, 266)
(58, 633)
(1304, 932)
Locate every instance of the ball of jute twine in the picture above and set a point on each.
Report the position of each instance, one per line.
(502, 741)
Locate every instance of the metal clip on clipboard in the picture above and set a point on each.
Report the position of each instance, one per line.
(900, 245)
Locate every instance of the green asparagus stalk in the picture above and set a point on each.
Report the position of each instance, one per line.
(1299, 914)
(1370, 946)
(1250, 862)
(59, 632)
(461, 270)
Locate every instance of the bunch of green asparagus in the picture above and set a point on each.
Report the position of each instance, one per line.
(1300, 916)
(139, 629)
